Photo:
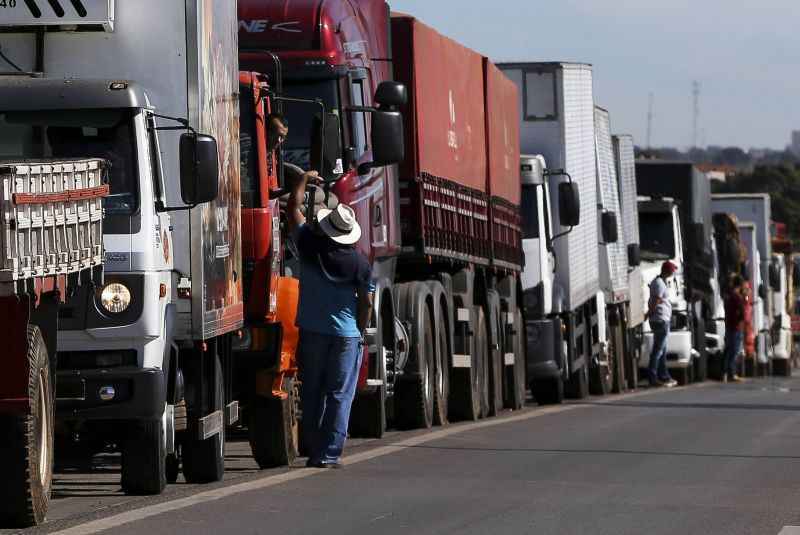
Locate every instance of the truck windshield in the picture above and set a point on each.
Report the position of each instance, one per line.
(67, 134)
(248, 145)
(656, 234)
(297, 148)
(530, 212)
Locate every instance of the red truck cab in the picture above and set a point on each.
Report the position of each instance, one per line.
(337, 52)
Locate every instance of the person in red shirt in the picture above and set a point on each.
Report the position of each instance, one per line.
(734, 327)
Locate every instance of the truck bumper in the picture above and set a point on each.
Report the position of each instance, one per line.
(679, 349)
(546, 353)
(138, 394)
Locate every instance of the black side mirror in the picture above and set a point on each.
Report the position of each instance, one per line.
(608, 224)
(326, 146)
(774, 277)
(762, 291)
(199, 162)
(569, 204)
(391, 95)
(634, 255)
(388, 141)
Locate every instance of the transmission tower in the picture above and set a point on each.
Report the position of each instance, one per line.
(696, 114)
(650, 122)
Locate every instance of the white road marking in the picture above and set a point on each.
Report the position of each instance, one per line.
(790, 530)
(135, 515)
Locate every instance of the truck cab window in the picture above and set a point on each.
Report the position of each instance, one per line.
(530, 212)
(657, 237)
(248, 149)
(65, 134)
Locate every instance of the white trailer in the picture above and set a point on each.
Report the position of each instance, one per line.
(629, 215)
(146, 362)
(610, 374)
(557, 125)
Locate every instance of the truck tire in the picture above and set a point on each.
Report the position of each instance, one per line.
(548, 391)
(495, 352)
(515, 391)
(682, 375)
(273, 429)
(481, 340)
(26, 449)
(144, 470)
(632, 356)
(700, 372)
(442, 379)
(204, 460)
(368, 413)
(578, 385)
(416, 391)
(782, 368)
(601, 376)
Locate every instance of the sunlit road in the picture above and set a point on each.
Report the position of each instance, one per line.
(703, 460)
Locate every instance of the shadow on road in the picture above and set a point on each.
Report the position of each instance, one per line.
(610, 452)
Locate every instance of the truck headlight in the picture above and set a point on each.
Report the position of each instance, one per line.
(115, 297)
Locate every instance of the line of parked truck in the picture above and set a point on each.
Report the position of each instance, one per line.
(512, 236)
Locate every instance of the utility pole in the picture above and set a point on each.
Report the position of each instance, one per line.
(696, 114)
(650, 122)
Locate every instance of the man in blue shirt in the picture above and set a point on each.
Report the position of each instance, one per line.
(336, 292)
(660, 316)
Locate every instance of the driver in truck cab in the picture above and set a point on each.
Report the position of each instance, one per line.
(660, 316)
(336, 292)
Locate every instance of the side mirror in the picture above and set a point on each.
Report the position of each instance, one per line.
(634, 255)
(199, 161)
(608, 224)
(326, 147)
(774, 277)
(391, 95)
(388, 139)
(569, 204)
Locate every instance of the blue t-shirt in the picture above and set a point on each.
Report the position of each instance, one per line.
(330, 274)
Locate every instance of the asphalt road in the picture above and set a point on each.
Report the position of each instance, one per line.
(706, 459)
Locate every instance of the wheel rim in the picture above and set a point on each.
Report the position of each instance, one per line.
(43, 422)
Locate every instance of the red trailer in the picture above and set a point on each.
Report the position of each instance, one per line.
(441, 228)
(51, 241)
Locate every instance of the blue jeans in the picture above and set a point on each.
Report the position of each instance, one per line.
(733, 345)
(658, 356)
(329, 367)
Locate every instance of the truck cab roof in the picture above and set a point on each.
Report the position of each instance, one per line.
(20, 93)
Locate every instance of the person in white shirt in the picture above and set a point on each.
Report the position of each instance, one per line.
(660, 316)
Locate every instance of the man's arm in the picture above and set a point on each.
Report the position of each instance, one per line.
(294, 207)
(364, 310)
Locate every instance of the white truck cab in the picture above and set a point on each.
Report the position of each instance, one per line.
(661, 240)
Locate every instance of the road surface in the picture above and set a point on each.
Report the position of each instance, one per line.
(707, 459)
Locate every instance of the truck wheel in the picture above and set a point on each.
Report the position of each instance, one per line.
(415, 393)
(442, 380)
(700, 368)
(482, 354)
(578, 385)
(368, 412)
(682, 375)
(173, 468)
(204, 460)
(514, 397)
(632, 356)
(548, 391)
(494, 352)
(782, 368)
(26, 450)
(144, 470)
(601, 376)
(273, 429)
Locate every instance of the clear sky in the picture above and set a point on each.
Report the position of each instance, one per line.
(744, 53)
